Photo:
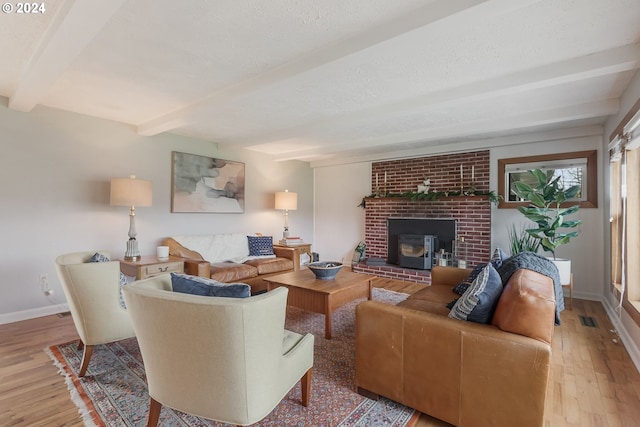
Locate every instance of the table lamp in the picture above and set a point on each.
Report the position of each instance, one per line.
(286, 201)
(131, 192)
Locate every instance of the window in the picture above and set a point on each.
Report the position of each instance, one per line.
(615, 220)
(624, 158)
(571, 172)
(577, 168)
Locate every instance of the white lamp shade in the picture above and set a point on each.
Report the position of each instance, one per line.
(286, 200)
(131, 192)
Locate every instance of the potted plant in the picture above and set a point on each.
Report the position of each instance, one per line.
(546, 197)
(521, 241)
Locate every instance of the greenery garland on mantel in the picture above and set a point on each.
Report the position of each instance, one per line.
(432, 195)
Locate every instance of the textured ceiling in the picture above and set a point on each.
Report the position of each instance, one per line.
(324, 80)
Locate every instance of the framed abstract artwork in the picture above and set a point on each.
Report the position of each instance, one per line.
(203, 184)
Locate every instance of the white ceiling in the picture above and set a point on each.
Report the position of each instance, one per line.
(317, 80)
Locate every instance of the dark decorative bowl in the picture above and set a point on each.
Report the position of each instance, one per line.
(325, 270)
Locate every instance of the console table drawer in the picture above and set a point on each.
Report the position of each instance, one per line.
(149, 266)
(157, 269)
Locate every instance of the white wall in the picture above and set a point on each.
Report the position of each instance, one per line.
(55, 171)
(339, 222)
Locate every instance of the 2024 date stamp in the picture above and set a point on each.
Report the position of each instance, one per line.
(24, 8)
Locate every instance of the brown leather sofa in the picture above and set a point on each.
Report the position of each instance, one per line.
(251, 272)
(467, 374)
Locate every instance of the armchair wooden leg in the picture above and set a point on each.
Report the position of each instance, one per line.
(154, 413)
(80, 344)
(86, 356)
(306, 387)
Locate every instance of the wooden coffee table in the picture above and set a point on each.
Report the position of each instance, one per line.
(322, 296)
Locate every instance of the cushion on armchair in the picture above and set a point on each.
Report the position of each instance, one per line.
(207, 287)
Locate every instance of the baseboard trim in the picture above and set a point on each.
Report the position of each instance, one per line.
(589, 296)
(626, 339)
(32, 313)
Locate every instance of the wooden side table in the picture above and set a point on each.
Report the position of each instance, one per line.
(570, 286)
(304, 248)
(149, 266)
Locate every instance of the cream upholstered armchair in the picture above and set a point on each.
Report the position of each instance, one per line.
(225, 359)
(92, 290)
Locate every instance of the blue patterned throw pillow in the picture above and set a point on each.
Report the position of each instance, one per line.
(480, 300)
(461, 287)
(98, 257)
(260, 245)
(202, 286)
(498, 257)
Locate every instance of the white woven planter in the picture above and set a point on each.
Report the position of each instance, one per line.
(564, 268)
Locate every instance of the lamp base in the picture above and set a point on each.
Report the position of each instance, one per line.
(133, 253)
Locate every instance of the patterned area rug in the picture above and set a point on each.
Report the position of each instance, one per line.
(113, 393)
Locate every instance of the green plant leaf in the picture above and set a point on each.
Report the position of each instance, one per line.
(522, 188)
(547, 245)
(571, 192)
(537, 200)
(540, 176)
(545, 210)
(571, 224)
(568, 211)
(560, 198)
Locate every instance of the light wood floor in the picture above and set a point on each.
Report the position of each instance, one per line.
(593, 381)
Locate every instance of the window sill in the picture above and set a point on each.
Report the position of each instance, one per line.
(631, 307)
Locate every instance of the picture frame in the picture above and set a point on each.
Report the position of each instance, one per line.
(201, 184)
(583, 161)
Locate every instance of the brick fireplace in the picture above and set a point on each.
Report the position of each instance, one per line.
(471, 213)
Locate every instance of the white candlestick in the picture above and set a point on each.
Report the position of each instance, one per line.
(385, 177)
(461, 176)
(376, 179)
(473, 173)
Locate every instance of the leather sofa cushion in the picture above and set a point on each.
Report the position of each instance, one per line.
(232, 272)
(435, 293)
(425, 305)
(271, 265)
(526, 305)
(450, 276)
(432, 299)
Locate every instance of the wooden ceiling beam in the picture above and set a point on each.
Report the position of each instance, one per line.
(73, 28)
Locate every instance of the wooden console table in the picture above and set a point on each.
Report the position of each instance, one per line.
(149, 266)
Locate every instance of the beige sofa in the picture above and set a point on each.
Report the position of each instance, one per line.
(225, 258)
(464, 373)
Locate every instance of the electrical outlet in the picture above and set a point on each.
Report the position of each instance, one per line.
(44, 282)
